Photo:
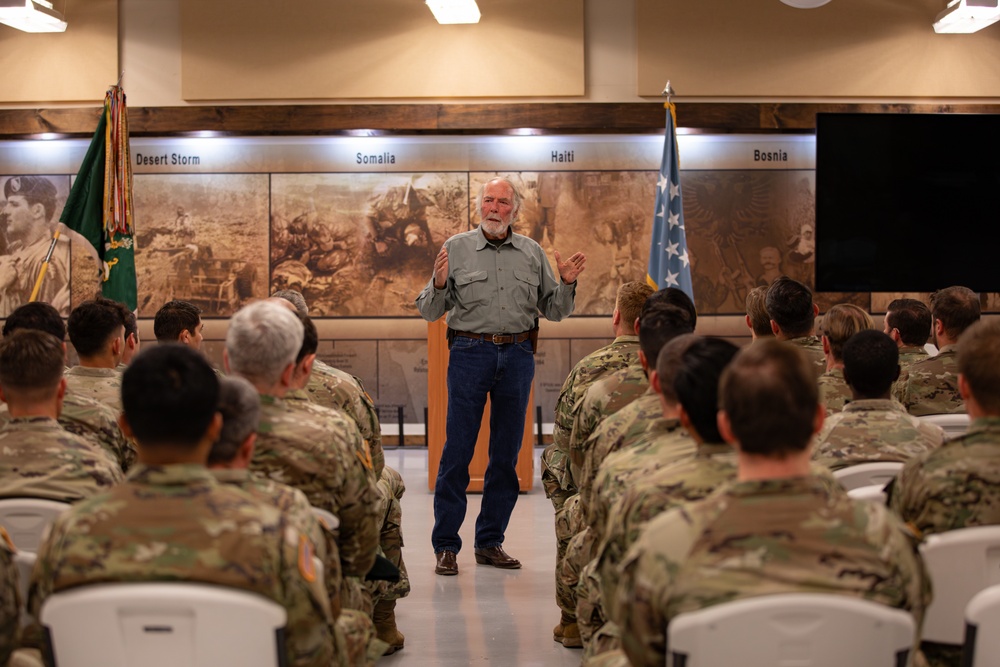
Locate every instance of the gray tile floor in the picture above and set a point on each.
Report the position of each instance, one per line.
(503, 618)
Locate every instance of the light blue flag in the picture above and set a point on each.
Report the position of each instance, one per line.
(669, 265)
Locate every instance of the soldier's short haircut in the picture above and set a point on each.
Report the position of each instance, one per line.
(36, 315)
(790, 305)
(770, 396)
(239, 405)
(131, 325)
(631, 296)
(263, 338)
(696, 383)
(659, 325)
(35, 190)
(295, 298)
(912, 319)
(310, 339)
(760, 321)
(169, 396)
(173, 318)
(516, 197)
(978, 361)
(93, 324)
(668, 361)
(957, 307)
(871, 363)
(671, 296)
(31, 365)
(840, 323)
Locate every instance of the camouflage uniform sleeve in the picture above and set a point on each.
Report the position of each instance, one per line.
(645, 577)
(358, 513)
(909, 498)
(10, 599)
(42, 582)
(588, 417)
(309, 634)
(911, 577)
(371, 428)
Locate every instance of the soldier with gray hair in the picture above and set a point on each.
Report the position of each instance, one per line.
(801, 531)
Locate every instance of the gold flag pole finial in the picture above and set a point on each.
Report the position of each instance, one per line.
(668, 91)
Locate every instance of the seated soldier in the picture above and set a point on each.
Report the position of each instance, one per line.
(931, 385)
(908, 323)
(840, 323)
(179, 322)
(92, 420)
(40, 458)
(793, 318)
(97, 330)
(10, 598)
(171, 504)
(872, 427)
(801, 533)
(132, 343)
(757, 319)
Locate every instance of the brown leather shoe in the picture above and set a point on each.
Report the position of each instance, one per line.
(446, 563)
(497, 557)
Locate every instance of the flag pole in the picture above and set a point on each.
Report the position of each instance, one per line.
(45, 267)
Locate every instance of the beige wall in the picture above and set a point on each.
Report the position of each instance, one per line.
(845, 49)
(73, 66)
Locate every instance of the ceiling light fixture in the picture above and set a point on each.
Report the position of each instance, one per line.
(965, 16)
(805, 4)
(454, 11)
(31, 16)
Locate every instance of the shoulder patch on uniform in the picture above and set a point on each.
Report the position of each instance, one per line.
(6, 538)
(366, 457)
(307, 566)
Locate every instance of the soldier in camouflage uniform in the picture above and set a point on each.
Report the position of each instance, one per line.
(10, 598)
(958, 484)
(172, 521)
(179, 322)
(97, 330)
(793, 315)
(229, 460)
(840, 323)
(388, 484)
(41, 459)
(695, 384)
(802, 534)
(757, 319)
(93, 421)
(931, 386)
(872, 427)
(621, 352)
(908, 323)
(658, 323)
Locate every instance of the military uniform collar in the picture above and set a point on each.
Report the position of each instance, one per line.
(180, 474)
(809, 484)
(709, 449)
(947, 349)
(984, 424)
(805, 341)
(94, 372)
(869, 404)
(34, 422)
(267, 399)
(230, 475)
(835, 372)
(626, 338)
(297, 395)
(912, 349)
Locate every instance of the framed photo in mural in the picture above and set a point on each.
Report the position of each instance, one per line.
(201, 238)
(362, 245)
(29, 214)
(603, 214)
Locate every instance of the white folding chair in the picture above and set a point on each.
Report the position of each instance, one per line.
(867, 474)
(982, 629)
(801, 629)
(164, 625)
(25, 562)
(875, 493)
(952, 424)
(27, 518)
(328, 519)
(960, 563)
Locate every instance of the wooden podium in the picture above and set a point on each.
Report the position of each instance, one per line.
(437, 414)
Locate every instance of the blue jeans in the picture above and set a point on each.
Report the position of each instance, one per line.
(476, 369)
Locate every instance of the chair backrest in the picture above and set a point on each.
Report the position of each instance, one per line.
(804, 629)
(27, 518)
(952, 424)
(867, 474)
(961, 563)
(874, 493)
(163, 625)
(328, 519)
(25, 562)
(982, 629)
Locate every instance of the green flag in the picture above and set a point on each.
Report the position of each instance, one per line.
(99, 207)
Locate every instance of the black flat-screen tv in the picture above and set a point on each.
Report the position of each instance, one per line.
(907, 202)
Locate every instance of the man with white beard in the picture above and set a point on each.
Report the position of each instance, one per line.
(494, 284)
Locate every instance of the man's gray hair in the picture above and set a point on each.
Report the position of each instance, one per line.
(516, 197)
(262, 341)
(239, 405)
(295, 298)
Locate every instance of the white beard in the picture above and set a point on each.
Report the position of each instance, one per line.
(494, 227)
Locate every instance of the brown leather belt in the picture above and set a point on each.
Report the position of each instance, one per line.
(496, 339)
